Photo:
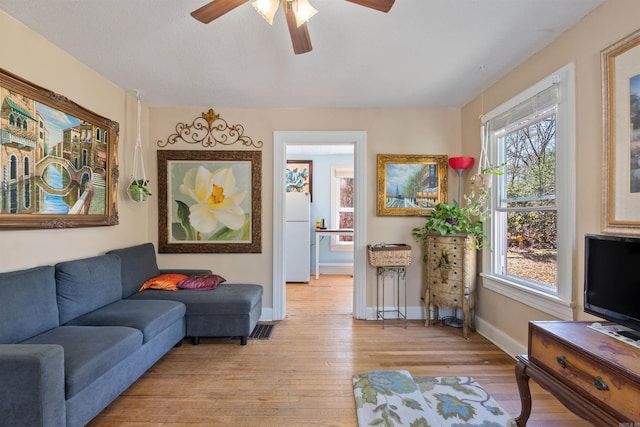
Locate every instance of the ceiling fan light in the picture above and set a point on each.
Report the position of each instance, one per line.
(267, 9)
(303, 11)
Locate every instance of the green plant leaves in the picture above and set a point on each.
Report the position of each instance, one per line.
(187, 229)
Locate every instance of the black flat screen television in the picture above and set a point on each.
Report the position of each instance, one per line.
(612, 280)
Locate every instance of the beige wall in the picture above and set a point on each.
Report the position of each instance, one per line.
(388, 131)
(33, 58)
(414, 131)
(397, 131)
(581, 45)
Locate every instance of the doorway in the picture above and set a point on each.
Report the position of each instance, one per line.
(282, 139)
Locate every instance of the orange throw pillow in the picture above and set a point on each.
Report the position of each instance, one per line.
(164, 282)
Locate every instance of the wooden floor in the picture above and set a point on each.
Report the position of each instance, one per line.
(302, 375)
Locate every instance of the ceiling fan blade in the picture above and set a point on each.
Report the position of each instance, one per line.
(215, 9)
(299, 35)
(381, 5)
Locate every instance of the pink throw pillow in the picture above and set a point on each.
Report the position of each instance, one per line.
(201, 282)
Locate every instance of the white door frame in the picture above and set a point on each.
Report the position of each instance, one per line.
(359, 141)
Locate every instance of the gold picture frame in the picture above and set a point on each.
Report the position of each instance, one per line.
(410, 184)
(209, 201)
(621, 136)
(58, 160)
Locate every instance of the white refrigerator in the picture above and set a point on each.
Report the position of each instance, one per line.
(298, 237)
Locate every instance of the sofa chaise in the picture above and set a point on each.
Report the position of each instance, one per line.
(229, 310)
(75, 335)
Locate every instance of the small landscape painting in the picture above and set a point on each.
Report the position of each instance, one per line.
(410, 185)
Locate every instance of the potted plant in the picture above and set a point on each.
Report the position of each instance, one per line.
(455, 219)
(484, 178)
(138, 190)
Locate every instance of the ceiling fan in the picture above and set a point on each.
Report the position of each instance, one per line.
(297, 13)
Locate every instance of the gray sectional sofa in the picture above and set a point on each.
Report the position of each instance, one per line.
(75, 335)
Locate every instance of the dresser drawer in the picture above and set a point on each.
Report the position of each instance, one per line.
(446, 299)
(449, 239)
(452, 286)
(434, 253)
(585, 374)
(438, 275)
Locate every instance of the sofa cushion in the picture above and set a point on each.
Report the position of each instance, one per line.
(164, 282)
(138, 264)
(150, 317)
(90, 351)
(29, 306)
(201, 282)
(87, 284)
(225, 299)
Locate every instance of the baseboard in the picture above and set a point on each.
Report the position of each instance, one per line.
(267, 314)
(503, 341)
(336, 268)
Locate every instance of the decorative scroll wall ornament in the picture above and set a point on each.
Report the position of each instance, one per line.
(209, 130)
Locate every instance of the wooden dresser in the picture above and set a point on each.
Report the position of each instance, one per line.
(594, 375)
(453, 287)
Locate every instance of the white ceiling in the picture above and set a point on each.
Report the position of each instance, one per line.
(423, 53)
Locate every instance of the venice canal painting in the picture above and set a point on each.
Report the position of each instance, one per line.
(50, 162)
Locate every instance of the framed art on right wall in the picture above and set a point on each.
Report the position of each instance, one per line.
(621, 135)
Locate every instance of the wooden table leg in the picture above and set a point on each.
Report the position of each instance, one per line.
(427, 308)
(522, 379)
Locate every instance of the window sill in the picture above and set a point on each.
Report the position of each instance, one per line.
(550, 304)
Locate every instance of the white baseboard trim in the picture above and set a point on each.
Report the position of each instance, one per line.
(499, 338)
(267, 314)
(336, 268)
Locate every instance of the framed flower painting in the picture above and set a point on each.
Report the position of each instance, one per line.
(209, 201)
(299, 177)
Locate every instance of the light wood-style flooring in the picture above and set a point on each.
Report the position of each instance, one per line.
(302, 375)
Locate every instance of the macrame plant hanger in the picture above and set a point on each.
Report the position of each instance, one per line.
(484, 177)
(138, 189)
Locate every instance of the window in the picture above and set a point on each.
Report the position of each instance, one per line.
(532, 223)
(342, 206)
(13, 167)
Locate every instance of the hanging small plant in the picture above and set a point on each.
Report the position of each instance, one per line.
(484, 178)
(138, 189)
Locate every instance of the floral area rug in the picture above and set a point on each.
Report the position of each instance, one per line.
(395, 398)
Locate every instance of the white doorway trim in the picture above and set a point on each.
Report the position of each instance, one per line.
(359, 141)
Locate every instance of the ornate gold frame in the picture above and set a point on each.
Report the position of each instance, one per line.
(620, 206)
(404, 168)
(174, 205)
(39, 128)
